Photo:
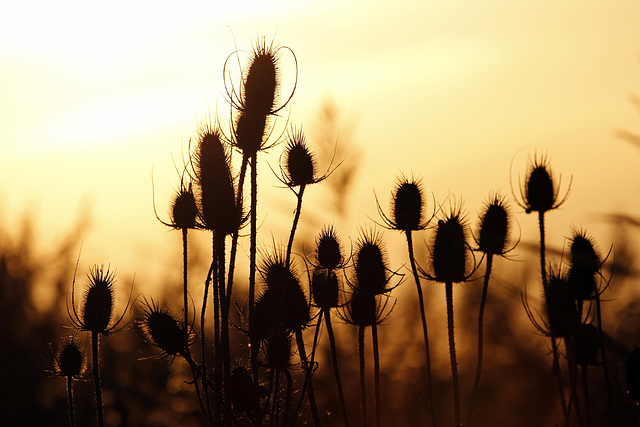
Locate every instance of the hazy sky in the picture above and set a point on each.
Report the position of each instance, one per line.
(93, 98)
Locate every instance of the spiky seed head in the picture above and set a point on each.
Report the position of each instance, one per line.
(585, 345)
(249, 132)
(541, 194)
(300, 163)
(163, 329)
(362, 309)
(583, 253)
(561, 310)
(98, 301)
(582, 284)
(370, 264)
(633, 374)
(217, 193)
(407, 206)
(278, 349)
(184, 210)
(244, 394)
(70, 359)
(328, 250)
(325, 289)
(261, 82)
(494, 227)
(449, 256)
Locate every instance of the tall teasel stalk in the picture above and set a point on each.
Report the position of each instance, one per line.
(70, 363)
(96, 316)
(493, 236)
(450, 264)
(407, 216)
(325, 293)
(222, 216)
(540, 193)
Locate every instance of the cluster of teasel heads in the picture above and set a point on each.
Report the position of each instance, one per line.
(258, 387)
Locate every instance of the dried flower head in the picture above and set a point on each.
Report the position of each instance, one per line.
(184, 211)
(300, 164)
(328, 249)
(449, 253)
(164, 330)
(540, 192)
(262, 80)
(69, 360)
(365, 309)
(407, 203)
(278, 349)
(325, 288)
(584, 254)
(494, 227)
(371, 264)
(561, 310)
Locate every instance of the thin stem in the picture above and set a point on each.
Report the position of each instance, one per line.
(585, 392)
(452, 353)
(217, 373)
(483, 301)
(72, 415)
(605, 369)
(236, 233)
(363, 390)
(96, 377)
(287, 403)
(252, 263)
(558, 374)
(376, 371)
(425, 333)
(203, 353)
(184, 279)
(336, 368)
(296, 218)
(574, 398)
(307, 387)
(543, 268)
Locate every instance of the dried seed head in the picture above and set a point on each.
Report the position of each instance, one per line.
(163, 330)
(244, 394)
(633, 374)
(449, 257)
(98, 301)
(325, 289)
(300, 163)
(370, 264)
(494, 227)
(262, 80)
(328, 251)
(561, 310)
(407, 206)
(585, 345)
(249, 132)
(278, 349)
(363, 309)
(582, 284)
(584, 255)
(217, 193)
(184, 210)
(69, 361)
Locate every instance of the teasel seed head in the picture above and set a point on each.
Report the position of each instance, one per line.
(585, 345)
(407, 206)
(300, 164)
(633, 374)
(328, 249)
(494, 227)
(325, 288)
(249, 132)
(262, 81)
(540, 192)
(69, 360)
(278, 349)
(163, 330)
(449, 254)
(184, 210)
(562, 314)
(217, 191)
(371, 264)
(98, 304)
(584, 254)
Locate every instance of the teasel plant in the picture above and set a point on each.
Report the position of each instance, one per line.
(326, 291)
(255, 104)
(492, 240)
(367, 306)
(408, 216)
(452, 261)
(541, 193)
(70, 363)
(96, 315)
(583, 351)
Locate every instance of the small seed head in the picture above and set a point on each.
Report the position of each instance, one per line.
(261, 82)
(363, 309)
(325, 289)
(450, 250)
(584, 255)
(98, 301)
(70, 359)
(370, 265)
(494, 228)
(562, 313)
(328, 251)
(407, 206)
(279, 349)
(184, 210)
(249, 132)
(300, 163)
(163, 329)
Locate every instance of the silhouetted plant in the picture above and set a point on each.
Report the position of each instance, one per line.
(70, 363)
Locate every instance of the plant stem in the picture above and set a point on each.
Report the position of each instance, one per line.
(543, 267)
(452, 353)
(307, 388)
(605, 369)
(425, 333)
(296, 218)
(184, 279)
(483, 301)
(376, 371)
(558, 374)
(252, 263)
(96, 377)
(236, 233)
(203, 354)
(363, 390)
(72, 415)
(336, 369)
(585, 390)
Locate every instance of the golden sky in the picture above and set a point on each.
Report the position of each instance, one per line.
(93, 98)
